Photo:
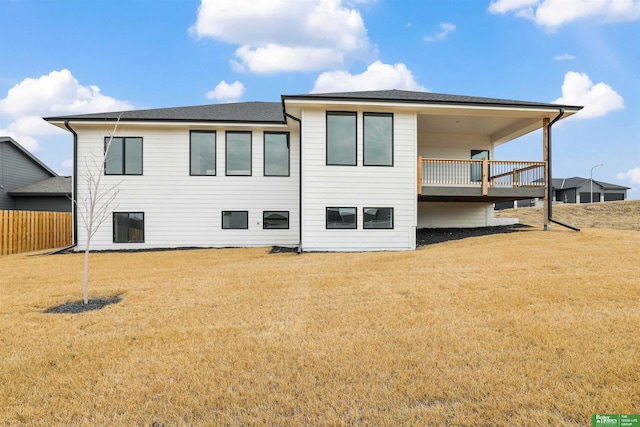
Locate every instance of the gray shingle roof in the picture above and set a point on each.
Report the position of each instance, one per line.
(9, 140)
(56, 186)
(273, 112)
(427, 97)
(576, 181)
(240, 112)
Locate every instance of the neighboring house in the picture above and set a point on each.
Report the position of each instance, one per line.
(28, 184)
(575, 190)
(52, 194)
(322, 172)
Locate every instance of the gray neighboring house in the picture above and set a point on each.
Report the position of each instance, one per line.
(574, 190)
(28, 184)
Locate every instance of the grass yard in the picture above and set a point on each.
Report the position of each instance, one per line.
(527, 328)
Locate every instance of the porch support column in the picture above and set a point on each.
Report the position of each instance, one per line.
(546, 146)
(419, 183)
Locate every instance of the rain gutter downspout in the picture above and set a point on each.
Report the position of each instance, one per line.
(299, 182)
(550, 180)
(74, 193)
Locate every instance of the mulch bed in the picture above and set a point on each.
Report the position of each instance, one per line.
(75, 307)
(431, 236)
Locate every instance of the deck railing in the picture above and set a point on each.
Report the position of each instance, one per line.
(482, 173)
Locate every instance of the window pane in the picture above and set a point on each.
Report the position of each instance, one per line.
(276, 154)
(275, 219)
(341, 217)
(235, 219)
(128, 227)
(203, 153)
(133, 156)
(238, 148)
(378, 217)
(113, 164)
(341, 139)
(378, 140)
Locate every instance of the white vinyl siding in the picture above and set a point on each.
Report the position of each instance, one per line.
(358, 186)
(182, 210)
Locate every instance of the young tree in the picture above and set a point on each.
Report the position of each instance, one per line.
(94, 206)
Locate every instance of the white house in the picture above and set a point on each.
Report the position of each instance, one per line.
(352, 171)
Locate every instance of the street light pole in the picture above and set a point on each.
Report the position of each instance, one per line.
(591, 179)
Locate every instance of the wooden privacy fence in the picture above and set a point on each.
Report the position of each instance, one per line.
(25, 231)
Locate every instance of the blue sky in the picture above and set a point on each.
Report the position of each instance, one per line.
(73, 56)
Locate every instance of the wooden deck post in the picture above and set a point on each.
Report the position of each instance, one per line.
(419, 175)
(545, 151)
(485, 176)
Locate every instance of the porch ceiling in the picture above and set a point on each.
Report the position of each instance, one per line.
(500, 129)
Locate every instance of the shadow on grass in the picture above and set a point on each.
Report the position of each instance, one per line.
(75, 307)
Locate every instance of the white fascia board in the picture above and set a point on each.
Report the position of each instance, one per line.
(436, 108)
(187, 124)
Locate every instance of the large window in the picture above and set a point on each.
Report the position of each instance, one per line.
(128, 227)
(341, 138)
(380, 218)
(275, 219)
(238, 151)
(378, 139)
(203, 152)
(276, 154)
(124, 156)
(340, 218)
(238, 220)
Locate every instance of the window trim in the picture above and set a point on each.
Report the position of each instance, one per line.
(364, 138)
(355, 220)
(277, 228)
(264, 150)
(113, 222)
(355, 137)
(124, 159)
(215, 152)
(234, 228)
(393, 218)
(226, 151)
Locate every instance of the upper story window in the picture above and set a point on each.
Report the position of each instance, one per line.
(124, 156)
(378, 139)
(276, 154)
(238, 153)
(202, 149)
(341, 138)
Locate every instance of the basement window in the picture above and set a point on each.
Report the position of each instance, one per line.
(275, 219)
(235, 220)
(378, 218)
(128, 227)
(341, 218)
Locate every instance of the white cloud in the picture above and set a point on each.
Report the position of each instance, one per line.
(378, 76)
(68, 163)
(56, 93)
(445, 29)
(598, 100)
(227, 92)
(281, 35)
(554, 13)
(632, 175)
(564, 57)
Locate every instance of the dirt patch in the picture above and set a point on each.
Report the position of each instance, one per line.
(430, 236)
(75, 307)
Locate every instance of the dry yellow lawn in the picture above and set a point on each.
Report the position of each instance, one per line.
(528, 328)
(624, 215)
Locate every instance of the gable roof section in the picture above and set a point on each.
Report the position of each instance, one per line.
(405, 96)
(9, 140)
(56, 186)
(239, 112)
